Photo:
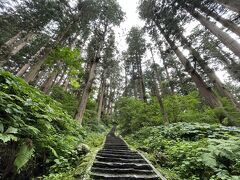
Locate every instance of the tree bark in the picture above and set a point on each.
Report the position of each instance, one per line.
(225, 22)
(140, 79)
(159, 97)
(49, 82)
(227, 40)
(11, 41)
(101, 96)
(233, 5)
(41, 58)
(23, 70)
(14, 45)
(207, 94)
(31, 75)
(218, 85)
(22, 43)
(86, 90)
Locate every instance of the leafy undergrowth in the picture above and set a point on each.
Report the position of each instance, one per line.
(36, 135)
(191, 150)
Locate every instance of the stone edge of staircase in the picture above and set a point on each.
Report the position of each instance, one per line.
(154, 169)
(87, 173)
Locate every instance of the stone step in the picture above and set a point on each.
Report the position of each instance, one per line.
(122, 177)
(115, 161)
(123, 171)
(130, 156)
(114, 151)
(119, 160)
(112, 147)
(112, 165)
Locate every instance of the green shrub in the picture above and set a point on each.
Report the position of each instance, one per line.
(34, 130)
(68, 100)
(192, 150)
(132, 114)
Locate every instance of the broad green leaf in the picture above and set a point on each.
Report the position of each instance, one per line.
(11, 130)
(7, 137)
(24, 154)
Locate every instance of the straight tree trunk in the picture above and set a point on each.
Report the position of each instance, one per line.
(86, 90)
(41, 58)
(39, 78)
(23, 70)
(101, 96)
(141, 80)
(233, 5)
(204, 90)
(11, 41)
(165, 66)
(105, 98)
(22, 43)
(31, 75)
(226, 39)
(65, 84)
(225, 22)
(218, 85)
(229, 64)
(91, 76)
(159, 97)
(14, 45)
(49, 82)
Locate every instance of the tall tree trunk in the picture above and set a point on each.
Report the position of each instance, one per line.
(31, 75)
(22, 43)
(134, 84)
(23, 69)
(225, 22)
(227, 40)
(65, 84)
(39, 78)
(159, 97)
(164, 65)
(233, 5)
(105, 100)
(41, 58)
(12, 40)
(101, 96)
(204, 90)
(219, 86)
(7, 47)
(229, 64)
(63, 74)
(14, 45)
(49, 82)
(141, 80)
(86, 90)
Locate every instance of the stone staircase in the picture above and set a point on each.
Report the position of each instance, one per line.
(117, 162)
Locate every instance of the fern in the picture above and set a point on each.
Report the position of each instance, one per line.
(23, 156)
(7, 137)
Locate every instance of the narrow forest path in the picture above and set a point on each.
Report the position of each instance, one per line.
(116, 161)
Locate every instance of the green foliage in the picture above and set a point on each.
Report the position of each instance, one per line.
(71, 59)
(133, 114)
(23, 155)
(38, 125)
(188, 108)
(192, 150)
(68, 100)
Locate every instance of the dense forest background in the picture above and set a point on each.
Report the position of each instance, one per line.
(64, 83)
